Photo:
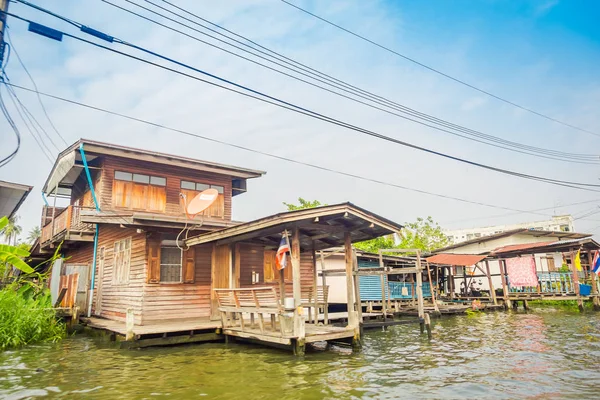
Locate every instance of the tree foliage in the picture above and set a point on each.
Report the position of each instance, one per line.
(13, 255)
(10, 229)
(424, 234)
(34, 234)
(303, 204)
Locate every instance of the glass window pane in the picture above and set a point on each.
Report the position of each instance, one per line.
(158, 181)
(220, 189)
(188, 185)
(139, 178)
(201, 186)
(123, 176)
(170, 264)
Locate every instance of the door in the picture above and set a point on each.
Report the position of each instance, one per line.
(220, 273)
(81, 299)
(99, 279)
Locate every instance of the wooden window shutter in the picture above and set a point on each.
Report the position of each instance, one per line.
(153, 272)
(269, 266)
(188, 265)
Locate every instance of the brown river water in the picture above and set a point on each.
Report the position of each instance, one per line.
(544, 354)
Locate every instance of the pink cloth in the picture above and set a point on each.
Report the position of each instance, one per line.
(521, 271)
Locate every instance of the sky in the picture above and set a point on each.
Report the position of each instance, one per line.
(543, 55)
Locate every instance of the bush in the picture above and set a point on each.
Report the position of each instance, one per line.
(26, 318)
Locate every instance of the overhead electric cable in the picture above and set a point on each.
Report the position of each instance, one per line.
(13, 126)
(302, 110)
(474, 135)
(439, 72)
(271, 155)
(36, 87)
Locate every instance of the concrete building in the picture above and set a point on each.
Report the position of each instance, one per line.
(559, 223)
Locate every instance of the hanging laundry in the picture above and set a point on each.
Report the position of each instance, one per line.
(521, 271)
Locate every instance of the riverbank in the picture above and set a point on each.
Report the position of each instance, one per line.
(552, 353)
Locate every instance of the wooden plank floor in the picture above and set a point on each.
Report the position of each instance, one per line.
(168, 326)
(314, 333)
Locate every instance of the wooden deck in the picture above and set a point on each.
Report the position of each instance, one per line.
(169, 326)
(314, 333)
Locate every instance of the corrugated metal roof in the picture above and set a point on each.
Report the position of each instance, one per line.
(456, 259)
(526, 246)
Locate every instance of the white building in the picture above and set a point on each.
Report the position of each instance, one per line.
(560, 223)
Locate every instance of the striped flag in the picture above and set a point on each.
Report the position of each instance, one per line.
(281, 256)
(596, 263)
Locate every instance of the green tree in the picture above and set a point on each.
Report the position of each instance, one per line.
(424, 234)
(303, 204)
(34, 234)
(12, 255)
(10, 229)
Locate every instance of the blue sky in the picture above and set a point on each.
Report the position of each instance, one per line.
(541, 54)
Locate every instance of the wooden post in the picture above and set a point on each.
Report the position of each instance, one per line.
(129, 323)
(576, 280)
(324, 283)
(357, 286)
(299, 331)
(313, 254)
(489, 276)
(593, 276)
(503, 274)
(428, 326)
(382, 284)
(465, 279)
(421, 306)
(431, 289)
(352, 319)
(451, 281)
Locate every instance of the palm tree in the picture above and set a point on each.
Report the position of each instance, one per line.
(11, 230)
(12, 255)
(34, 234)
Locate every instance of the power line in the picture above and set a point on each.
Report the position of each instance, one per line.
(474, 135)
(517, 213)
(440, 72)
(255, 94)
(36, 87)
(38, 139)
(14, 128)
(275, 156)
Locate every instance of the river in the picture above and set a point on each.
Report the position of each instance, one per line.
(544, 354)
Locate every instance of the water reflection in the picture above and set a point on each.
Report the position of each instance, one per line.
(536, 355)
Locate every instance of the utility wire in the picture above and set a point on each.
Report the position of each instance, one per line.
(301, 110)
(474, 135)
(14, 128)
(36, 87)
(462, 82)
(38, 139)
(271, 155)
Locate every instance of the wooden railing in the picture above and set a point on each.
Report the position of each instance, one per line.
(67, 220)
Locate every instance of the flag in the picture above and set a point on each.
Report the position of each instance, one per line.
(281, 256)
(596, 263)
(578, 261)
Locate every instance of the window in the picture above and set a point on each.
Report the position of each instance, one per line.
(139, 191)
(121, 261)
(271, 274)
(170, 264)
(191, 189)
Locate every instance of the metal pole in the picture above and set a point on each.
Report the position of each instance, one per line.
(3, 15)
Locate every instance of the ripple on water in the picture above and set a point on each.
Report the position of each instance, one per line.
(534, 355)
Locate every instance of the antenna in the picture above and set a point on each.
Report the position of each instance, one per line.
(197, 205)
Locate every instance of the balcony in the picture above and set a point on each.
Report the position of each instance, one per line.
(67, 226)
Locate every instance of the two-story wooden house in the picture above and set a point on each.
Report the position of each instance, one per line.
(129, 205)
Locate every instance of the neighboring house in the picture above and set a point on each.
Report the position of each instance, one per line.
(560, 223)
(332, 261)
(138, 210)
(12, 195)
(514, 238)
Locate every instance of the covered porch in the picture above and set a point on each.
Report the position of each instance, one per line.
(257, 302)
